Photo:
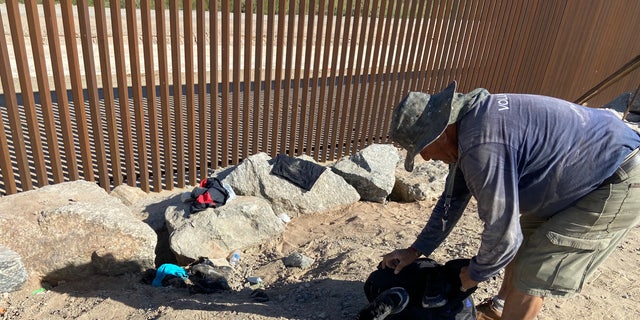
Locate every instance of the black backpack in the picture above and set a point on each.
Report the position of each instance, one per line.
(210, 194)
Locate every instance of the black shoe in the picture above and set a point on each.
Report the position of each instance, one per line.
(390, 301)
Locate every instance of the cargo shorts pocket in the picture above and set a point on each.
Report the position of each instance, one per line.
(598, 243)
(574, 260)
(555, 264)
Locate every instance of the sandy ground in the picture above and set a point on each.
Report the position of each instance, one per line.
(346, 244)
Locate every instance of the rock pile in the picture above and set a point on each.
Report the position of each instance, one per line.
(73, 230)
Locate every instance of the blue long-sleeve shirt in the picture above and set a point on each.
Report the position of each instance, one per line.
(524, 154)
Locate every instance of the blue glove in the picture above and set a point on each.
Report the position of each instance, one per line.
(166, 270)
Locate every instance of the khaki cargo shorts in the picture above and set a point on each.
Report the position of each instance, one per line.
(558, 255)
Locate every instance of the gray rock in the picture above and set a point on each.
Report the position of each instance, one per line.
(128, 194)
(151, 209)
(245, 222)
(425, 182)
(298, 260)
(12, 271)
(252, 177)
(72, 230)
(371, 171)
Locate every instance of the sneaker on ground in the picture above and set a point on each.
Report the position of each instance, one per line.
(486, 310)
(390, 301)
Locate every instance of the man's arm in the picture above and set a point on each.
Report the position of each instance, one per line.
(442, 221)
(492, 178)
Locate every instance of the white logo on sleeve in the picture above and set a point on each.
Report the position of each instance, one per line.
(503, 102)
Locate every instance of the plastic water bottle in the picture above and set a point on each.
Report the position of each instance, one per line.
(234, 258)
(254, 280)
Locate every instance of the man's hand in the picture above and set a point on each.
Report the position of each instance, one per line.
(467, 282)
(399, 258)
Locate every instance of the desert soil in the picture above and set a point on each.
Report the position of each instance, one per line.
(347, 244)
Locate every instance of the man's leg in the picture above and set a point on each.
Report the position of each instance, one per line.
(507, 282)
(521, 306)
(491, 308)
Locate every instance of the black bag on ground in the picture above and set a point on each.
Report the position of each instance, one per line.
(210, 194)
(426, 277)
(206, 277)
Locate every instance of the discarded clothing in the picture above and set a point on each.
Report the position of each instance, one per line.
(206, 277)
(168, 269)
(211, 193)
(302, 173)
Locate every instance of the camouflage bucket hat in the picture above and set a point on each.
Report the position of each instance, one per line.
(420, 119)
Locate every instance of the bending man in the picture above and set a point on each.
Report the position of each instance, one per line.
(557, 186)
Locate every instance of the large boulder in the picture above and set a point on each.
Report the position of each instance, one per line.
(128, 194)
(73, 230)
(12, 271)
(371, 171)
(241, 224)
(425, 183)
(253, 177)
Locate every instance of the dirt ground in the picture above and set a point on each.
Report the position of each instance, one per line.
(346, 244)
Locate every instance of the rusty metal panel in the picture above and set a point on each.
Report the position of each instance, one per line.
(481, 22)
(363, 119)
(512, 78)
(136, 87)
(323, 117)
(190, 92)
(504, 50)
(246, 100)
(66, 126)
(346, 132)
(11, 101)
(123, 95)
(315, 116)
(92, 92)
(152, 140)
(466, 63)
(353, 61)
(176, 65)
(589, 49)
(346, 77)
(257, 82)
(387, 90)
(329, 121)
(288, 65)
(46, 105)
(224, 95)
(356, 111)
(381, 82)
(277, 91)
(165, 107)
(26, 89)
(235, 110)
(374, 48)
(214, 26)
(447, 56)
(295, 103)
(305, 131)
(408, 52)
(109, 103)
(268, 79)
(203, 125)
